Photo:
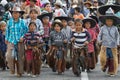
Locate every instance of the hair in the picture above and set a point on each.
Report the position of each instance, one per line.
(33, 10)
(2, 23)
(46, 4)
(77, 9)
(33, 24)
(59, 23)
(78, 20)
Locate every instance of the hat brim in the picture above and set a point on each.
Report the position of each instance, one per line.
(114, 18)
(50, 15)
(21, 12)
(63, 18)
(95, 18)
(92, 21)
(104, 8)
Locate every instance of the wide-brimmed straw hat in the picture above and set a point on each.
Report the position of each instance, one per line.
(57, 21)
(110, 15)
(92, 22)
(17, 9)
(45, 14)
(59, 3)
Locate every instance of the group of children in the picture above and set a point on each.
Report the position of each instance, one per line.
(28, 36)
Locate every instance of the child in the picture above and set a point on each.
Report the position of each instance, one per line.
(57, 40)
(7, 14)
(46, 18)
(58, 9)
(77, 14)
(32, 39)
(33, 18)
(2, 44)
(80, 38)
(71, 25)
(66, 30)
(109, 39)
(89, 23)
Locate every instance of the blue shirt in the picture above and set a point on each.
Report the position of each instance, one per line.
(2, 42)
(109, 36)
(15, 30)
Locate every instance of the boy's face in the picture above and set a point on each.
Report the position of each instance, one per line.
(87, 25)
(45, 20)
(48, 7)
(109, 22)
(3, 27)
(16, 15)
(32, 27)
(64, 22)
(78, 26)
(57, 28)
(33, 15)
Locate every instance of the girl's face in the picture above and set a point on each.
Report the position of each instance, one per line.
(57, 28)
(16, 15)
(109, 22)
(87, 25)
(64, 22)
(78, 26)
(32, 28)
(48, 7)
(45, 20)
(3, 27)
(33, 15)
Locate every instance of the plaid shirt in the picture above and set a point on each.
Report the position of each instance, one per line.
(15, 30)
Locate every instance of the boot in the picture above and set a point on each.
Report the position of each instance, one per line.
(111, 65)
(59, 64)
(106, 65)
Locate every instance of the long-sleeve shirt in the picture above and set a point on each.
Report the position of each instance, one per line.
(39, 24)
(2, 42)
(109, 36)
(57, 38)
(34, 37)
(81, 37)
(15, 30)
(67, 32)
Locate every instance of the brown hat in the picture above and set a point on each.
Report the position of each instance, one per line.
(88, 2)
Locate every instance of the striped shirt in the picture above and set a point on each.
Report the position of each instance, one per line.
(32, 36)
(80, 38)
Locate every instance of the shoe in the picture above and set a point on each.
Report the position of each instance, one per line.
(19, 75)
(33, 76)
(112, 75)
(28, 74)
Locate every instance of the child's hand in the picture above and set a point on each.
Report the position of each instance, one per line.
(86, 43)
(6, 42)
(65, 41)
(72, 39)
(21, 39)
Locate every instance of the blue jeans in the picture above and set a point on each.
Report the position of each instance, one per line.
(109, 53)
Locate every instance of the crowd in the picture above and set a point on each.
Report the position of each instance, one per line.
(50, 33)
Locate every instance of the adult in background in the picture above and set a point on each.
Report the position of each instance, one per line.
(15, 31)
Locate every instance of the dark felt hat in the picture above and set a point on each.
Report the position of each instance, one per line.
(92, 22)
(110, 15)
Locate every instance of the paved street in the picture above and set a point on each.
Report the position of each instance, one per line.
(47, 74)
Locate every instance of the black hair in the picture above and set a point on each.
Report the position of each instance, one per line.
(33, 24)
(78, 9)
(33, 10)
(78, 20)
(46, 4)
